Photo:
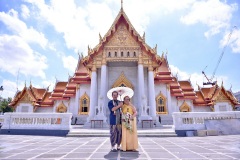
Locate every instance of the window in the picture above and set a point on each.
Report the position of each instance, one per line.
(134, 54)
(121, 54)
(115, 54)
(84, 104)
(109, 54)
(128, 54)
(161, 107)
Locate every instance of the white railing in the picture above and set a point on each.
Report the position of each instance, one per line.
(44, 121)
(195, 120)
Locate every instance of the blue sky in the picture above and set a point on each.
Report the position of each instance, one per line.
(40, 40)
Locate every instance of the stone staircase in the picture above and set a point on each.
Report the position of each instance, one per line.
(163, 131)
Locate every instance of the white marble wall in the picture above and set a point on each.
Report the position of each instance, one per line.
(222, 106)
(24, 107)
(71, 107)
(130, 73)
(202, 109)
(44, 110)
(84, 88)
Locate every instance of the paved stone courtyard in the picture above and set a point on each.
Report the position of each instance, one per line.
(96, 148)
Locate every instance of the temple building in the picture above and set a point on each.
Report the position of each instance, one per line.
(123, 58)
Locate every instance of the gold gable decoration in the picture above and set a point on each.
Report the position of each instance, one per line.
(161, 104)
(84, 104)
(122, 37)
(25, 99)
(61, 108)
(122, 81)
(185, 107)
(221, 97)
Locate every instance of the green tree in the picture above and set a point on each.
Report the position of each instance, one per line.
(4, 107)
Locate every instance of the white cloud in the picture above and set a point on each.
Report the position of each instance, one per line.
(25, 11)
(69, 62)
(9, 88)
(196, 78)
(81, 25)
(17, 55)
(233, 41)
(17, 26)
(213, 13)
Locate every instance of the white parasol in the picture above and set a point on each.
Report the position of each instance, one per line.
(122, 92)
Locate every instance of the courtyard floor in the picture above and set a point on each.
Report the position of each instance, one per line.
(95, 148)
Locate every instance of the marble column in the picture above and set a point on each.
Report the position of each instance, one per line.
(140, 88)
(93, 94)
(151, 92)
(77, 106)
(103, 94)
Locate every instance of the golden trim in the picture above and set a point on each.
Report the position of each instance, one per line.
(122, 80)
(84, 97)
(185, 107)
(61, 108)
(161, 96)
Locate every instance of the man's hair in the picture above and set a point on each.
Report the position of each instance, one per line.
(114, 92)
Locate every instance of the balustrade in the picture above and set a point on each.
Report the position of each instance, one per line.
(195, 120)
(61, 121)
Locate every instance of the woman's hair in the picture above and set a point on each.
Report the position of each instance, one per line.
(126, 97)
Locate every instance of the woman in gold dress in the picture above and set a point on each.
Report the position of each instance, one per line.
(129, 126)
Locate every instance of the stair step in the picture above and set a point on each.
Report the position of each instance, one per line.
(107, 135)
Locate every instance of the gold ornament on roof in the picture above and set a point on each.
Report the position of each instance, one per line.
(122, 81)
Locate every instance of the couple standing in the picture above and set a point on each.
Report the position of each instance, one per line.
(123, 126)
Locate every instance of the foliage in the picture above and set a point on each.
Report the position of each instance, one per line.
(4, 107)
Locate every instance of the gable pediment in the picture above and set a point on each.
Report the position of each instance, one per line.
(122, 37)
(222, 97)
(25, 99)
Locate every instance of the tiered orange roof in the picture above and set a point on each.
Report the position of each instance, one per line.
(187, 89)
(163, 73)
(81, 75)
(70, 89)
(58, 91)
(175, 88)
(36, 96)
(209, 96)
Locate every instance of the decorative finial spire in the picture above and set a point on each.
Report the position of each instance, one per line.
(100, 38)
(121, 4)
(155, 48)
(48, 87)
(143, 37)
